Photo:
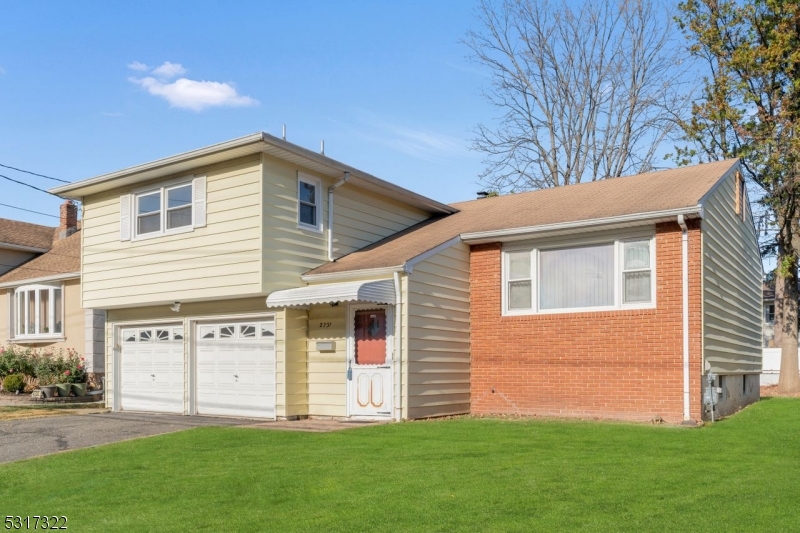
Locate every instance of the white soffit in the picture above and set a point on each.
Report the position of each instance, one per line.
(377, 291)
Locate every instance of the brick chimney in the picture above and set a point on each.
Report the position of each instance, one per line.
(69, 219)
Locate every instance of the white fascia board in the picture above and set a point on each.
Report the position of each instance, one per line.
(44, 279)
(522, 233)
(68, 189)
(23, 248)
(352, 274)
(409, 266)
(259, 141)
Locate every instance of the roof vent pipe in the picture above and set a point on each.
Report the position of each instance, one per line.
(330, 212)
(283, 132)
(322, 147)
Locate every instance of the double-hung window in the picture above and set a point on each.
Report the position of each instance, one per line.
(309, 203)
(38, 311)
(163, 210)
(588, 277)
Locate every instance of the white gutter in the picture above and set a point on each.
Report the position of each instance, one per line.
(398, 346)
(22, 248)
(330, 212)
(30, 281)
(495, 235)
(685, 290)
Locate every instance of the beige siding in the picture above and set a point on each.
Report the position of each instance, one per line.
(74, 320)
(12, 258)
(731, 286)
(360, 218)
(295, 357)
(437, 339)
(200, 311)
(222, 259)
(327, 371)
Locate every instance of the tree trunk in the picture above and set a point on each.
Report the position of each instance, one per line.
(789, 381)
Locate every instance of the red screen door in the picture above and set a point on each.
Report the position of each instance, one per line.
(370, 337)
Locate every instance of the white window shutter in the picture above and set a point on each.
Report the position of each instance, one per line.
(199, 192)
(125, 217)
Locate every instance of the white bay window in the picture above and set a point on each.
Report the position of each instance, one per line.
(38, 311)
(594, 276)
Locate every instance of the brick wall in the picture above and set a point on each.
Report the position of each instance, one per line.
(611, 364)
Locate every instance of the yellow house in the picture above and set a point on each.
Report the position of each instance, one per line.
(200, 263)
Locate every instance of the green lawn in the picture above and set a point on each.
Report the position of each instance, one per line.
(742, 474)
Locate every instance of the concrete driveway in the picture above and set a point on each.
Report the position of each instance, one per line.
(20, 439)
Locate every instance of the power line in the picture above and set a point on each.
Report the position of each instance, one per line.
(31, 186)
(29, 210)
(33, 173)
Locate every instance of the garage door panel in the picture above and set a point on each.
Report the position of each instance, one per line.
(236, 369)
(152, 371)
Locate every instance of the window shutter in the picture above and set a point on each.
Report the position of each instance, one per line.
(199, 192)
(125, 217)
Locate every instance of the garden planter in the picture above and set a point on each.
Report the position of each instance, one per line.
(64, 389)
(79, 389)
(49, 391)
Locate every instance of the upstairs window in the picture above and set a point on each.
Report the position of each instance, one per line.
(309, 203)
(38, 311)
(173, 207)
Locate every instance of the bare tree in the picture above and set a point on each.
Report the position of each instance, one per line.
(584, 94)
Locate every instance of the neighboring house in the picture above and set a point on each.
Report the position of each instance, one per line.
(771, 368)
(40, 303)
(381, 303)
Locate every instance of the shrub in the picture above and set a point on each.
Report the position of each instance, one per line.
(14, 360)
(14, 383)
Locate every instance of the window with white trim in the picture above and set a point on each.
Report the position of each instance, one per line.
(163, 210)
(38, 311)
(309, 202)
(597, 276)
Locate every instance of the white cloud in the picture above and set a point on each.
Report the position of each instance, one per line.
(141, 67)
(195, 95)
(169, 70)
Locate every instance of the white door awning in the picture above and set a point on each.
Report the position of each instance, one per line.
(376, 291)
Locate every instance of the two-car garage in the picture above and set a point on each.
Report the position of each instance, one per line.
(222, 368)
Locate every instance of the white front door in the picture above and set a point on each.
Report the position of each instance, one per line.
(236, 368)
(369, 362)
(152, 376)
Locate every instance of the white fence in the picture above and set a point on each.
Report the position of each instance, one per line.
(771, 366)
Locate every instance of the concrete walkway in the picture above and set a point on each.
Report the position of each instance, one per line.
(21, 439)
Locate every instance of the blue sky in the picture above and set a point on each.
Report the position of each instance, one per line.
(387, 85)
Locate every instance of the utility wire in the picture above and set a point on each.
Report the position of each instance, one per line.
(29, 210)
(32, 173)
(31, 186)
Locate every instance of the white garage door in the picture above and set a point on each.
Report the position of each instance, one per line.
(236, 369)
(152, 369)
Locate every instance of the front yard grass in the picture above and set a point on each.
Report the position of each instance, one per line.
(740, 474)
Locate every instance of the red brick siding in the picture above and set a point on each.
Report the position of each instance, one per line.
(610, 364)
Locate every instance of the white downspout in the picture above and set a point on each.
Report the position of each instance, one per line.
(330, 212)
(398, 346)
(685, 289)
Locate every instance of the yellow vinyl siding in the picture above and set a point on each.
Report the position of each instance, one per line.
(74, 319)
(327, 378)
(731, 286)
(221, 260)
(438, 339)
(360, 218)
(216, 310)
(295, 357)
